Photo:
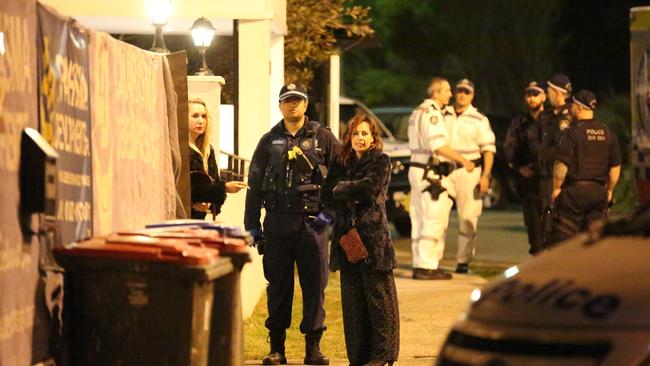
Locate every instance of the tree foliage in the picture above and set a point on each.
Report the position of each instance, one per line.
(499, 44)
(313, 26)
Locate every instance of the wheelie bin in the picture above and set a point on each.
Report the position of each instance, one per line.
(139, 300)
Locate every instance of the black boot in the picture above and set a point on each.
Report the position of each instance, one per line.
(276, 356)
(313, 356)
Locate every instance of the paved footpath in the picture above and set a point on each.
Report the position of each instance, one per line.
(427, 311)
(429, 308)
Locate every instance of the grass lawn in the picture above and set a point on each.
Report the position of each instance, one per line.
(332, 344)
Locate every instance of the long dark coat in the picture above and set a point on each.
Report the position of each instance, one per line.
(365, 184)
(206, 187)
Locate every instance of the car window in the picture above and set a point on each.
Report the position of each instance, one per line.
(397, 123)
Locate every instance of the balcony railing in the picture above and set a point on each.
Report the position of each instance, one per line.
(236, 167)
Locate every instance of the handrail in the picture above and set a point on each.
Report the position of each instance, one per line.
(237, 167)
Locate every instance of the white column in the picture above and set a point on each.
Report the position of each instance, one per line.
(254, 83)
(209, 88)
(277, 76)
(254, 43)
(334, 92)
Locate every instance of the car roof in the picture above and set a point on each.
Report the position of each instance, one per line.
(393, 109)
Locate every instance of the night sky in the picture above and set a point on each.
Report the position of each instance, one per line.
(597, 53)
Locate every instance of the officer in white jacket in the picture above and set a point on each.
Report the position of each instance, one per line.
(429, 142)
(471, 136)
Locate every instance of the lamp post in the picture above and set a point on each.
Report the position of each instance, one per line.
(158, 12)
(202, 33)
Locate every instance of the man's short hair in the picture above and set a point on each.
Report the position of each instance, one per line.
(434, 84)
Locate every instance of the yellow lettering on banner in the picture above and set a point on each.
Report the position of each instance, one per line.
(15, 77)
(13, 123)
(73, 86)
(12, 258)
(73, 211)
(131, 146)
(70, 134)
(133, 90)
(16, 322)
(73, 179)
(15, 72)
(47, 92)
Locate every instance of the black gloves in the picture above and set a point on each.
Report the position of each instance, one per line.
(320, 221)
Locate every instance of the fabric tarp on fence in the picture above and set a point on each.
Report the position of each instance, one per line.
(133, 182)
(18, 109)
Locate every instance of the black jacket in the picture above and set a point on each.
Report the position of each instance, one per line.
(270, 159)
(365, 184)
(206, 187)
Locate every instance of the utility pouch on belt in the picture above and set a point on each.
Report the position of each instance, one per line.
(269, 183)
(435, 188)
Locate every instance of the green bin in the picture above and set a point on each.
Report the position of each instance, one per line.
(138, 300)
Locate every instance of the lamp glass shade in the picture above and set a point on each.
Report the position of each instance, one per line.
(158, 11)
(202, 37)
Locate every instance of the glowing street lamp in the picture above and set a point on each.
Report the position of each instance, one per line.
(202, 33)
(158, 12)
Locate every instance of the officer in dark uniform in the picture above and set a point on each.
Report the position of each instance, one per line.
(586, 171)
(285, 174)
(521, 149)
(552, 123)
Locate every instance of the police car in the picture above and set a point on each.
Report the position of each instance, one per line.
(585, 302)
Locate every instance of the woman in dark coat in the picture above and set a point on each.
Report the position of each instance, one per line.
(358, 181)
(208, 191)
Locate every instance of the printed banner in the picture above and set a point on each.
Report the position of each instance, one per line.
(133, 182)
(64, 106)
(18, 259)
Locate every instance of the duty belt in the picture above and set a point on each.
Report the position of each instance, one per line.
(443, 168)
(584, 182)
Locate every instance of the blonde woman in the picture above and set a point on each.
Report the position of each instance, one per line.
(208, 191)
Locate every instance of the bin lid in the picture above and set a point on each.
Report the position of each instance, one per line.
(195, 236)
(188, 251)
(227, 230)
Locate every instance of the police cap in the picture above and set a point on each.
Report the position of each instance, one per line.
(293, 90)
(533, 88)
(560, 82)
(465, 84)
(586, 99)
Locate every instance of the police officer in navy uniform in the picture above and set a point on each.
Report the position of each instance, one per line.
(285, 174)
(586, 170)
(521, 149)
(553, 122)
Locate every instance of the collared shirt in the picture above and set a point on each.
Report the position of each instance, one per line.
(427, 131)
(470, 133)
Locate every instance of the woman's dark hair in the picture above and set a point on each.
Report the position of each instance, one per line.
(347, 153)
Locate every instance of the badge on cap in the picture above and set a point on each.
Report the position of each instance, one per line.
(291, 87)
